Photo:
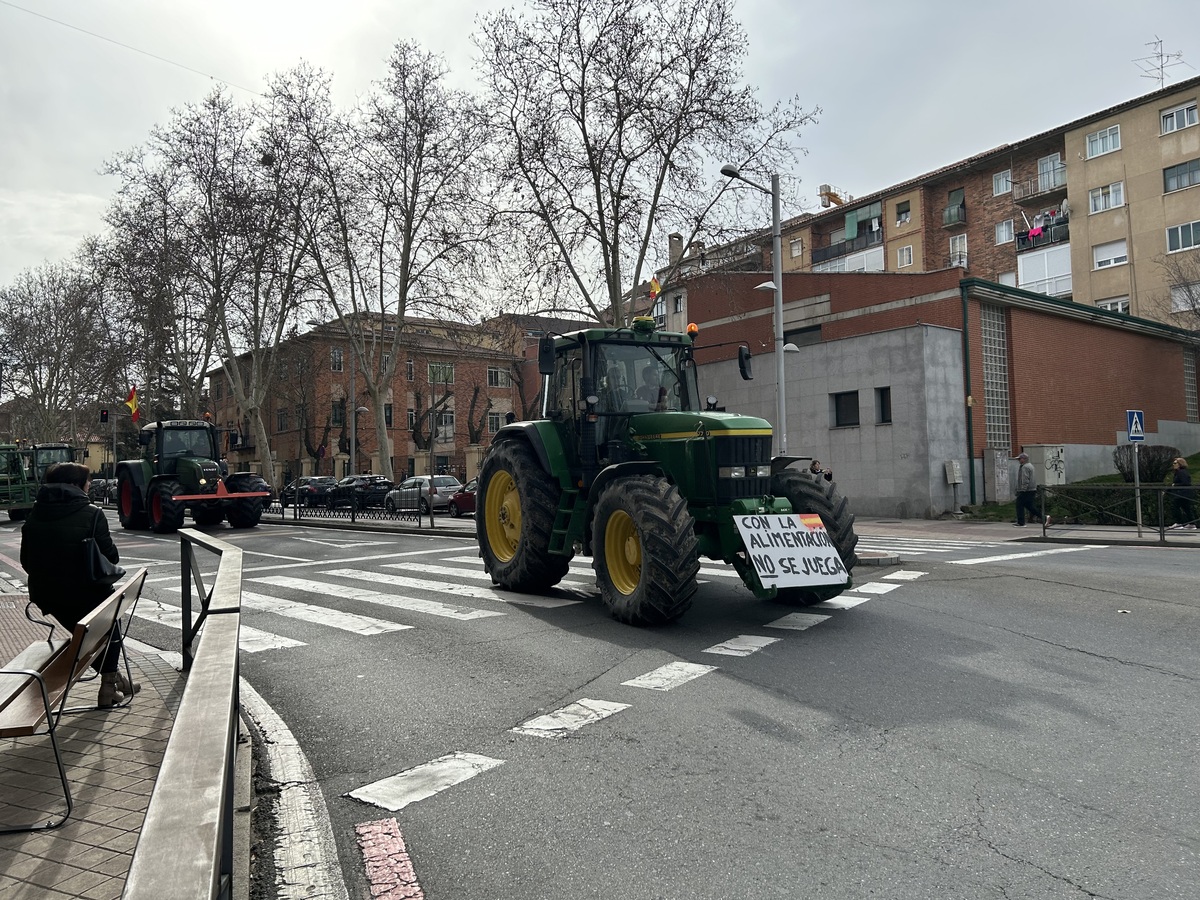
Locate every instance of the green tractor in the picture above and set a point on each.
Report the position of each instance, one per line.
(22, 472)
(629, 466)
(180, 470)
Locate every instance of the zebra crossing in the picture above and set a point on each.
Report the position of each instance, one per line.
(922, 546)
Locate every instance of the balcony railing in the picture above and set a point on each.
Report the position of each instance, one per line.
(954, 215)
(957, 258)
(1054, 233)
(1052, 182)
(841, 248)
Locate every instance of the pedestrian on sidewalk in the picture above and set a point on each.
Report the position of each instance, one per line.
(1181, 495)
(52, 554)
(1026, 492)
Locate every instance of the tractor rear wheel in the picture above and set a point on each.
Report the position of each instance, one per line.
(129, 503)
(517, 504)
(244, 512)
(644, 551)
(813, 494)
(166, 513)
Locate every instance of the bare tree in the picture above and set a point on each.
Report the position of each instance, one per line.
(404, 208)
(1181, 303)
(613, 113)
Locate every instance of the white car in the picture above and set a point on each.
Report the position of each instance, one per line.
(414, 493)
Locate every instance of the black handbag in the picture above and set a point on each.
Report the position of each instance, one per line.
(99, 569)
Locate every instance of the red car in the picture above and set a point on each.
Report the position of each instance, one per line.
(463, 501)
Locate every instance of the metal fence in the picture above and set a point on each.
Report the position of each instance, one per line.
(1117, 504)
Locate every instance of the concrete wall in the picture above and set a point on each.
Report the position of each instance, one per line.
(895, 469)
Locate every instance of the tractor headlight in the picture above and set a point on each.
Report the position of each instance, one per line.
(744, 471)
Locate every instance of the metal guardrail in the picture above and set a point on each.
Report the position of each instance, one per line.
(185, 849)
(1113, 504)
(410, 513)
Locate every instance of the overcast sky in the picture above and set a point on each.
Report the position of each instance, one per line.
(905, 86)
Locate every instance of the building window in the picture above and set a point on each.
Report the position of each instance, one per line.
(387, 415)
(904, 256)
(1186, 174)
(903, 212)
(408, 369)
(1110, 254)
(412, 419)
(1004, 232)
(883, 406)
(845, 409)
(1051, 173)
(994, 332)
(441, 373)
(1002, 183)
(493, 422)
(1115, 304)
(1179, 117)
(216, 388)
(796, 246)
(337, 414)
(1185, 298)
(958, 250)
(499, 378)
(445, 425)
(659, 311)
(803, 337)
(335, 359)
(1109, 196)
(387, 360)
(1183, 237)
(281, 420)
(1106, 140)
(1189, 385)
(679, 303)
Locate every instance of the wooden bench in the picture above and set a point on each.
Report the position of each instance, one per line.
(34, 686)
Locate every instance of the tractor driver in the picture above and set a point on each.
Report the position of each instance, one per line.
(651, 390)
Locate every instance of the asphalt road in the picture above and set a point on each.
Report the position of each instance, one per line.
(1016, 728)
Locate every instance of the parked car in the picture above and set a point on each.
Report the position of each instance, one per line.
(414, 493)
(362, 490)
(98, 490)
(463, 501)
(307, 490)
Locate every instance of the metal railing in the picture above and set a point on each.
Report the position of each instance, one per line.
(1104, 505)
(1049, 181)
(185, 849)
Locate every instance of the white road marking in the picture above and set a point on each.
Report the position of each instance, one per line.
(317, 615)
(742, 645)
(343, 544)
(1008, 556)
(798, 621)
(306, 859)
(346, 592)
(571, 717)
(397, 791)
(476, 574)
(842, 601)
(249, 639)
(669, 676)
(905, 575)
(874, 587)
(583, 566)
(449, 587)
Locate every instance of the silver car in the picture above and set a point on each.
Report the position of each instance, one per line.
(414, 493)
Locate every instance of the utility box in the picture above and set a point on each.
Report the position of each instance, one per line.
(1049, 463)
(997, 476)
(953, 472)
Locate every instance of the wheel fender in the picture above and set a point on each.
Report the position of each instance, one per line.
(543, 439)
(606, 476)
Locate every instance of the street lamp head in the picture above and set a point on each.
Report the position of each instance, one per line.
(730, 171)
(765, 286)
(789, 347)
(361, 409)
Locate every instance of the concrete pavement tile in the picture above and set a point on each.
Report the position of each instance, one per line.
(84, 881)
(118, 866)
(51, 873)
(107, 890)
(125, 842)
(17, 865)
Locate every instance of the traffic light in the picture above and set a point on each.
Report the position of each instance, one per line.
(104, 417)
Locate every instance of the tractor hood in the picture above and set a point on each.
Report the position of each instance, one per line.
(666, 426)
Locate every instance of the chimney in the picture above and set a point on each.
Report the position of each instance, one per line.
(675, 247)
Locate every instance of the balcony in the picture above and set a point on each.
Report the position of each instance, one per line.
(1046, 187)
(841, 248)
(1056, 232)
(953, 216)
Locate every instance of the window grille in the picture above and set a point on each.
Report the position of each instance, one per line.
(995, 378)
(1189, 385)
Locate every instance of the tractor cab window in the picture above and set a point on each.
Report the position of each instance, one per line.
(564, 384)
(187, 442)
(642, 378)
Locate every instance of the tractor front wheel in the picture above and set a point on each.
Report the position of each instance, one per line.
(644, 546)
(244, 512)
(813, 494)
(129, 503)
(166, 513)
(517, 502)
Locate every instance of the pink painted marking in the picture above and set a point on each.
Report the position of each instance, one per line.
(389, 867)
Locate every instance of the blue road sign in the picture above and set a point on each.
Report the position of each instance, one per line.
(1135, 424)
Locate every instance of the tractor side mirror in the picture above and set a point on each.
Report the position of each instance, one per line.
(546, 355)
(144, 438)
(744, 363)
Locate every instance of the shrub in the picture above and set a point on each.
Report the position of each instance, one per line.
(1154, 462)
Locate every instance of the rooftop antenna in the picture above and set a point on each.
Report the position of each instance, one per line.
(1156, 64)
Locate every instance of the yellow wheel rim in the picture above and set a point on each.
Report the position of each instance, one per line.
(502, 516)
(622, 552)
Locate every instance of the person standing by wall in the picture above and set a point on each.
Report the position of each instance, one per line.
(52, 554)
(1181, 494)
(1026, 492)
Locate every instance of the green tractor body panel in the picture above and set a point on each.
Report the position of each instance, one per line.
(623, 417)
(180, 470)
(22, 471)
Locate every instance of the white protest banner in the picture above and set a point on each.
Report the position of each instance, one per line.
(791, 550)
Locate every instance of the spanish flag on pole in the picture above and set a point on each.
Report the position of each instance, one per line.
(655, 287)
(132, 402)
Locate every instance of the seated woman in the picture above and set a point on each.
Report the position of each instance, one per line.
(52, 554)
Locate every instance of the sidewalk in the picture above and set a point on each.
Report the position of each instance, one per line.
(112, 760)
(1058, 533)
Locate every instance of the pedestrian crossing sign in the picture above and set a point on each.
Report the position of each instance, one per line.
(1135, 424)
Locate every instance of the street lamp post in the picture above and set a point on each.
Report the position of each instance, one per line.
(776, 285)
